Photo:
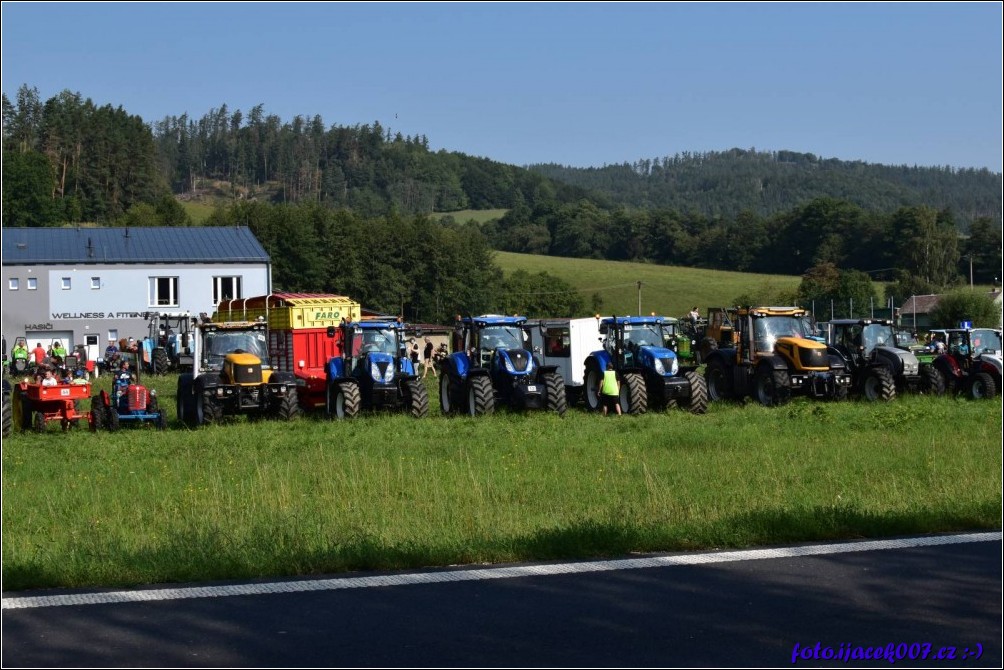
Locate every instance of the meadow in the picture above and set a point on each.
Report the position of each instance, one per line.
(383, 491)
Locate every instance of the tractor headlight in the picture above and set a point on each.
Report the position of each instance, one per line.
(385, 377)
(675, 367)
(660, 369)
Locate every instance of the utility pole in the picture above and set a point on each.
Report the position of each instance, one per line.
(639, 298)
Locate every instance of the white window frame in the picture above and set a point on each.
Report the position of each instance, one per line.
(238, 282)
(153, 294)
(66, 283)
(32, 284)
(13, 284)
(95, 283)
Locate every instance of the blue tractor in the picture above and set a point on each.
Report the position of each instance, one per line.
(168, 346)
(494, 364)
(648, 370)
(373, 372)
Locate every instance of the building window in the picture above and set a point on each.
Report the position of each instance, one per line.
(12, 283)
(32, 283)
(226, 288)
(95, 282)
(65, 284)
(163, 291)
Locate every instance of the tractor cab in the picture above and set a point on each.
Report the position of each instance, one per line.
(971, 362)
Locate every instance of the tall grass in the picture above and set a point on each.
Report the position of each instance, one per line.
(246, 500)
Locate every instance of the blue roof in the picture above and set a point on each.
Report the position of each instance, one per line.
(76, 246)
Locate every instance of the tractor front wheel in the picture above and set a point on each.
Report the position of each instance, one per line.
(698, 401)
(771, 387)
(287, 407)
(416, 398)
(480, 396)
(446, 394)
(634, 395)
(344, 400)
(207, 409)
(879, 385)
(112, 416)
(982, 387)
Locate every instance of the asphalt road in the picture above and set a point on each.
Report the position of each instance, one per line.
(745, 613)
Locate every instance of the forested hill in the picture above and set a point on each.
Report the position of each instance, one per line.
(723, 184)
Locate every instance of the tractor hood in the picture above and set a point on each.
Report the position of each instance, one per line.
(900, 360)
(660, 359)
(811, 355)
(381, 366)
(515, 361)
(991, 360)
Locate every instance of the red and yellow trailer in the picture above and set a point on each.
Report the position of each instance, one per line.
(298, 339)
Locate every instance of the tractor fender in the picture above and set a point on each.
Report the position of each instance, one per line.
(335, 369)
(283, 377)
(948, 366)
(456, 365)
(600, 359)
(206, 381)
(545, 369)
(837, 362)
(896, 359)
(992, 366)
(775, 362)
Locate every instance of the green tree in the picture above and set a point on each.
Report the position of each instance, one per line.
(846, 293)
(28, 184)
(965, 305)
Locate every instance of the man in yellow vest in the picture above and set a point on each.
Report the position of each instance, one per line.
(610, 390)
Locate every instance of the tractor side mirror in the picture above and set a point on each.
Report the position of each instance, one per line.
(331, 331)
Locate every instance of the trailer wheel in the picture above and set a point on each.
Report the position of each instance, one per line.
(556, 399)
(416, 398)
(38, 422)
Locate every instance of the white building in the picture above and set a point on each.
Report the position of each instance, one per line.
(89, 285)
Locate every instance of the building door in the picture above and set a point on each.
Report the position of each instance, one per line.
(47, 337)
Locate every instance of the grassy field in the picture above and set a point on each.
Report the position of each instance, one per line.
(666, 290)
(265, 499)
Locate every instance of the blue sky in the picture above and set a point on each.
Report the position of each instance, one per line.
(582, 84)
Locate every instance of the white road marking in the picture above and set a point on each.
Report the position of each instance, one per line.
(475, 574)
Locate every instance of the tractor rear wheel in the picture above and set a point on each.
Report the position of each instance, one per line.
(480, 396)
(716, 381)
(161, 361)
(593, 379)
(982, 387)
(634, 395)
(416, 398)
(879, 385)
(698, 401)
(931, 380)
(771, 387)
(556, 399)
(345, 400)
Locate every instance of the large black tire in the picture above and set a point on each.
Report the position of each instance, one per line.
(771, 388)
(38, 422)
(8, 416)
(931, 381)
(555, 389)
(982, 387)
(592, 385)
(480, 396)
(161, 361)
(716, 382)
(416, 398)
(98, 413)
(697, 403)
(112, 416)
(186, 406)
(207, 409)
(878, 384)
(447, 395)
(287, 407)
(344, 400)
(634, 395)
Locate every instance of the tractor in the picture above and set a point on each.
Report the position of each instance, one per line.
(879, 366)
(129, 403)
(373, 372)
(168, 346)
(649, 372)
(494, 365)
(972, 363)
(770, 357)
(232, 376)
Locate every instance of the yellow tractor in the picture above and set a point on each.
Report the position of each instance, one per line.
(232, 376)
(768, 353)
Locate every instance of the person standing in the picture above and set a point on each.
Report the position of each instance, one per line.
(414, 355)
(39, 353)
(427, 359)
(610, 390)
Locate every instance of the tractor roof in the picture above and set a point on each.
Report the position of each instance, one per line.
(636, 320)
(773, 311)
(860, 322)
(376, 324)
(494, 320)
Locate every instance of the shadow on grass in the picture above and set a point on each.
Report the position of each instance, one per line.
(277, 551)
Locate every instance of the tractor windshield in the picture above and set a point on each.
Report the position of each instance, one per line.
(767, 330)
(643, 335)
(219, 343)
(986, 341)
(501, 337)
(877, 335)
(368, 341)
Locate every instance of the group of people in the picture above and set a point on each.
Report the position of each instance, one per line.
(426, 357)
